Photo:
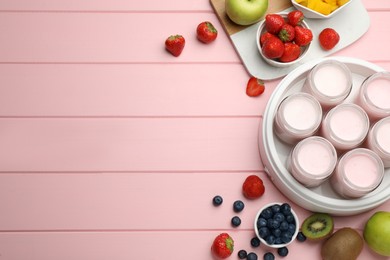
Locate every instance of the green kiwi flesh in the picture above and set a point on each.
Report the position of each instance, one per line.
(317, 226)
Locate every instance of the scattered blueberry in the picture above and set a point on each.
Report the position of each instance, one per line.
(255, 242)
(301, 237)
(251, 256)
(236, 221)
(269, 256)
(217, 200)
(242, 254)
(238, 206)
(283, 251)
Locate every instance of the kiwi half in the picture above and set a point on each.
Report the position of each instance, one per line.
(317, 226)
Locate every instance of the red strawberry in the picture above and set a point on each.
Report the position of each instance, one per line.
(303, 36)
(253, 187)
(328, 38)
(265, 36)
(273, 23)
(295, 17)
(273, 48)
(206, 32)
(223, 246)
(254, 87)
(291, 52)
(175, 44)
(287, 33)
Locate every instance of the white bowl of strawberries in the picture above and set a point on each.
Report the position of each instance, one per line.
(283, 39)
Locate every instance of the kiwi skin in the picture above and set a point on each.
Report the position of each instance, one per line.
(344, 244)
(318, 226)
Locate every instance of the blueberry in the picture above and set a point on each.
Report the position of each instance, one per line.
(242, 254)
(290, 218)
(251, 256)
(236, 221)
(261, 222)
(238, 206)
(283, 226)
(301, 237)
(278, 241)
(275, 208)
(279, 217)
(283, 251)
(217, 200)
(269, 256)
(255, 242)
(270, 239)
(286, 237)
(291, 228)
(285, 208)
(277, 232)
(264, 232)
(266, 213)
(272, 223)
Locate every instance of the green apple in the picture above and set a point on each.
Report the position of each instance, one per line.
(377, 232)
(246, 12)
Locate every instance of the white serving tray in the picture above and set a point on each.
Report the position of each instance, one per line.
(351, 23)
(274, 153)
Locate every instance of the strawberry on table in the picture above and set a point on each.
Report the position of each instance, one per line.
(175, 44)
(328, 38)
(295, 17)
(253, 187)
(303, 36)
(223, 246)
(254, 87)
(206, 32)
(287, 33)
(274, 23)
(291, 52)
(273, 48)
(265, 36)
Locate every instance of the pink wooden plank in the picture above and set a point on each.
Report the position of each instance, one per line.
(128, 90)
(108, 37)
(123, 5)
(134, 245)
(129, 144)
(138, 201)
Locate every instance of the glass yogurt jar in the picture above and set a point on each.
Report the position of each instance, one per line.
(297, 117)
(330, 82)
(358, 172)
(312, 161)
(378, 140)
(374, 95)
(345, 126)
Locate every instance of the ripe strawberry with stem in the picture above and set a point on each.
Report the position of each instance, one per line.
(328, 38)
(254, 87)
(274, 23)
(287, 33)
(223, 246)
(303, 36)
(175, 44)
(206, 32)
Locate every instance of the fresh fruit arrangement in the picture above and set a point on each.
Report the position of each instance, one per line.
(284, 37)
(324, 7)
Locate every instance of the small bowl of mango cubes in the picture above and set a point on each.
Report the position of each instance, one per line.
(320, 9)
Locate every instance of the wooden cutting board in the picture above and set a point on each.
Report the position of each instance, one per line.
(274, 6)
(244, 39)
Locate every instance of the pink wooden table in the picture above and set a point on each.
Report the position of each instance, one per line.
(110, 148)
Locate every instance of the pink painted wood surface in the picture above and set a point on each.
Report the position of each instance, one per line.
(110, 148)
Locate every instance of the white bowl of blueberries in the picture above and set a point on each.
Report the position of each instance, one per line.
(276, 225)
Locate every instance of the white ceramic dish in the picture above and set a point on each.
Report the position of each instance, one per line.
(274, 153)
(309, 13)
(273, 62)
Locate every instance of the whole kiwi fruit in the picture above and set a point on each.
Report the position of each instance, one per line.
(345, 244)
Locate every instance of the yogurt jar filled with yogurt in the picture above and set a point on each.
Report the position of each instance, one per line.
(312, 161)
(374, 95)
(330, 82)
(297, 117)
(345, 126)
(378, 140)
(358, 172)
